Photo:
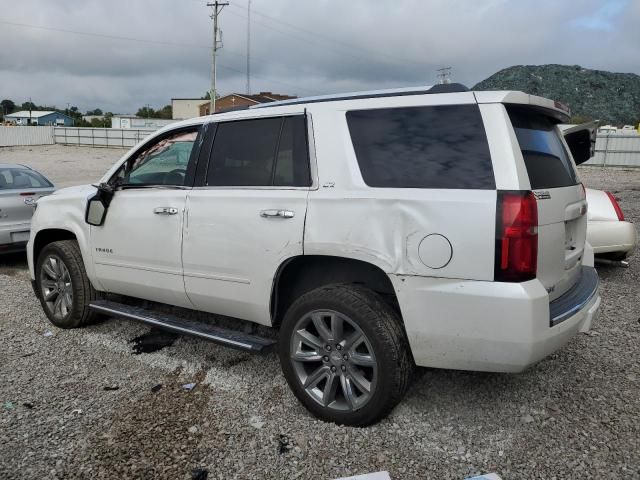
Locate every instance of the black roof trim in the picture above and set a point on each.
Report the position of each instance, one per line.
(440, 88)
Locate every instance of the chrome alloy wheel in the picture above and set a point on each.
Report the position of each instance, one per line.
(55, 286)
(333, 360)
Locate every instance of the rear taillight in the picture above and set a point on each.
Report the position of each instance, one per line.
(516, 236)
(616, 207)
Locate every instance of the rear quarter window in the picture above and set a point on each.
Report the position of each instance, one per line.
(547, 161)
(422, 147)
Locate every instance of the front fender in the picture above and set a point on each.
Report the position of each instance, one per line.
(65, 210)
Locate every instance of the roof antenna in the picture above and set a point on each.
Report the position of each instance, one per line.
(444, 75)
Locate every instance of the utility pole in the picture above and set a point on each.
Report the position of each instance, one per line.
(444, 75)
(30, 106)
(217, 8)
(249, 47)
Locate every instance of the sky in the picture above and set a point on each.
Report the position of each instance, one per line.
(119, 55)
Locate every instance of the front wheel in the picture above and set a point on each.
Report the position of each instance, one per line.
(344, 354)
(63, 287)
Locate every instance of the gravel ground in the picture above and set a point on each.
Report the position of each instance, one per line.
(80, 404)
(64, 166)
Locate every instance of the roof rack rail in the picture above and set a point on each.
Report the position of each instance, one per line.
(394, 92)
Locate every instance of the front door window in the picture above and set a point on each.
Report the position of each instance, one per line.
(162, 163)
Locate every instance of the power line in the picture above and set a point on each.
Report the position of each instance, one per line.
(299, 37)
(103, 35)
(158, 42)
(325, 38)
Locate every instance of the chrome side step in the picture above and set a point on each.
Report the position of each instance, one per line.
(173, 323)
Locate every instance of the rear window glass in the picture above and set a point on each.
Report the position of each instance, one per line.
(547, 161)
(422, 147)
(18, 178)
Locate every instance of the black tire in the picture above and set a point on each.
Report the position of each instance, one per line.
(385, 335)
(79, 314)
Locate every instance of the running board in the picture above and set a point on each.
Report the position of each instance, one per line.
(173, 323)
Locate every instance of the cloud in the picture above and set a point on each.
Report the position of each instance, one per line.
(603, 18)
(302, 48)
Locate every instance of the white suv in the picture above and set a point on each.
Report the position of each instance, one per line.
(375, 231)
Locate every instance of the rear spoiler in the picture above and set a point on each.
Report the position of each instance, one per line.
(581, 140)
(555, 109)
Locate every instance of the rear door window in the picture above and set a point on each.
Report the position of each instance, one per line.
(422, 147)
(546, 158)
(260, 152)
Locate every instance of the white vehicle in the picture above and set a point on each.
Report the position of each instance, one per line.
(608, 233)
(375, 231)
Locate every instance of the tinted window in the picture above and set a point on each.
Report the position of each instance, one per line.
(260, 152)
(422, 147)
(18, 178)
(547, 161)
(163, 162)
(292, 162)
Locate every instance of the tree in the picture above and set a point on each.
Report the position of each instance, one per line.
(146, 112)
(7, 106)
(165, 112)
(97, 111)
(29, 106)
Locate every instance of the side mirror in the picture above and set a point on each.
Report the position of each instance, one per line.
(98, 204)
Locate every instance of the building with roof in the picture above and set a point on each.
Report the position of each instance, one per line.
(37, 117)
(184, 108)
(133, 121)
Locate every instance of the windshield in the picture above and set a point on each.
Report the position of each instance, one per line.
(547, 161)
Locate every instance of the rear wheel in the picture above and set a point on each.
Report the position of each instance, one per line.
(63, 287)
(344, 354)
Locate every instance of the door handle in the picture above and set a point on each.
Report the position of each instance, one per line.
(276, 213)
(165, 210)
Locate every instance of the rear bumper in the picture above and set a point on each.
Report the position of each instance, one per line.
(14, 237)
(487, 326)
(612, 236)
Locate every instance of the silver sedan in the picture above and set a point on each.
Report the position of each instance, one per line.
(20, 189)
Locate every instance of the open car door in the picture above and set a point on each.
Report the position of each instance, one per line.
(581, 140)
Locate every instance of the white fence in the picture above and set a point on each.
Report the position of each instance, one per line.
(616, 149)
(100, 137)
(619, 150)
(11, 136)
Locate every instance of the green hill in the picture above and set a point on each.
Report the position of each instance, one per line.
(591, 94)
